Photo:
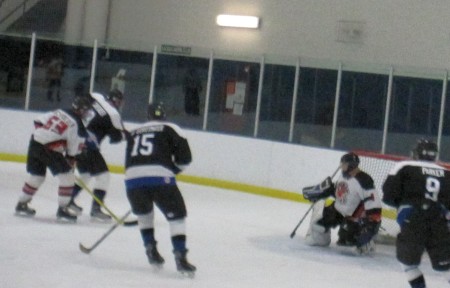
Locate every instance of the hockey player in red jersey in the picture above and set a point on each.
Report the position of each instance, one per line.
(58, 138)
(420, 190)
(156, 151)
(104, 121)
(356, 208)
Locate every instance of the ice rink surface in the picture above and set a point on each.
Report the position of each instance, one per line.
(235, 239)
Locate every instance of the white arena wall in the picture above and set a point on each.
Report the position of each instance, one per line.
(238, 161)
(397, 32)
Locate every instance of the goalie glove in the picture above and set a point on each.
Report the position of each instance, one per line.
(319, 191)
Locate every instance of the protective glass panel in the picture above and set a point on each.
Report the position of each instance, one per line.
(362, 103)
(180, 84)
(276, 102)
(58, 71)
(129, 72)
(315, 107)
(444, 153)
(14, 62)
(234, 92)
(414, 113)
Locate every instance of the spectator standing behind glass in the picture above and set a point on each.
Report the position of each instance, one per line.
(192, 89)
(55, 72)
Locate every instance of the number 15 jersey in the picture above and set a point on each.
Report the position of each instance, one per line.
(156, 151)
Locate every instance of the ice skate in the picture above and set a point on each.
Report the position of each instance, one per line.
(98, 215)
(366, 249)
(63, 215)
(154, 258)
(22, 209)
(183, 266)
(74, 208)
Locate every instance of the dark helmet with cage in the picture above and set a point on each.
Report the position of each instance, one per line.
(352, 161)
(425, 150)
(81, 104)
(115, 96)
(156, 111)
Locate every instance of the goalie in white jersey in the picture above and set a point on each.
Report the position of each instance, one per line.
(356, 208)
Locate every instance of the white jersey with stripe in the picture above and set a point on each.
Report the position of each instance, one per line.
(60, 132)
(354, 193)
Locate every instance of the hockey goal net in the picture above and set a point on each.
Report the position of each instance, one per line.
(378, 166)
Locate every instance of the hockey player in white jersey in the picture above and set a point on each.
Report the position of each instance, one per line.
(59, 136)
(104, 121)
(156, 151)
(356, 208)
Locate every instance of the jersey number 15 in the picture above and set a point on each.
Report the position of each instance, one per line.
(143, 145)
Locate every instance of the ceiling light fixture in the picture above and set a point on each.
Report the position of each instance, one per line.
(238, 21)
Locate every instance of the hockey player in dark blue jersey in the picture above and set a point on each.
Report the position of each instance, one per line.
(156, 151)
(105, 121)
(420, 190)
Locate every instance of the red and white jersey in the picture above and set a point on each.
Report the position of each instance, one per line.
(355, 195)
(61, 131)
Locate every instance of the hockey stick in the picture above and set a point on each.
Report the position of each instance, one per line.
(310, 208)
(301, 220)
(87, 250)
(100, 202)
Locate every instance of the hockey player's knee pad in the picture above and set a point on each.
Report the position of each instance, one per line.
(66, 179)
(35, 181)
(146, 221)
(102, 181)
(177, 227)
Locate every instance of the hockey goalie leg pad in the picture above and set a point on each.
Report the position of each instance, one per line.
(317, 234)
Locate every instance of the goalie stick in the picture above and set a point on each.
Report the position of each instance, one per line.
(88, 250)
(310, 208)
(100, 202)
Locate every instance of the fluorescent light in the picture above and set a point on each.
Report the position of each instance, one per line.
(237, 21)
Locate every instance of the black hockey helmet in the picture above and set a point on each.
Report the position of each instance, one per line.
(351, 159)
(81, 104)
(156, 111)
(115, 96)
(425, 150)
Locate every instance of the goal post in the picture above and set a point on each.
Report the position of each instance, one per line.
(378, 166)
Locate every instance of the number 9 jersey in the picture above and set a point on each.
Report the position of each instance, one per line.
(416, 183)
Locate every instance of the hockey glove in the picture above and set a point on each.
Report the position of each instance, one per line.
(368, 230)
(320, 191)
(403, 214)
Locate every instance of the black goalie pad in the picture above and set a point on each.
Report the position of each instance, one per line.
(319, 191)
